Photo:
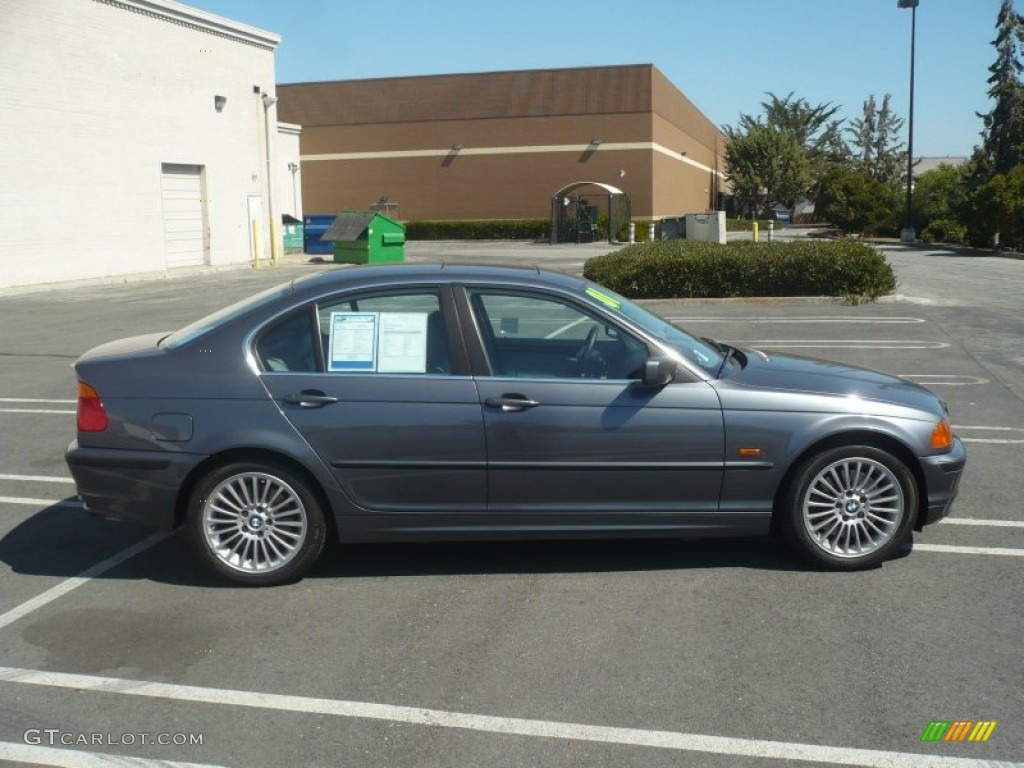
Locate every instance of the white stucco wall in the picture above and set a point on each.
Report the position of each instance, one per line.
(97, 95)
(288, 189)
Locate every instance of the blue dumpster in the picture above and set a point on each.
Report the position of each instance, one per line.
(313, 226)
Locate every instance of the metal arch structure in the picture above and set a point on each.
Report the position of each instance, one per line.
(572, 216)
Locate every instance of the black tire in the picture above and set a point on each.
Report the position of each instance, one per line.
(256, 523)
(849, 508)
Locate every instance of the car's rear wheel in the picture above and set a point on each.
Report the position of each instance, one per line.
(256, 523)
(850, 507)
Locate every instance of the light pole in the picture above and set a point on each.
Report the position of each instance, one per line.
(908, 235)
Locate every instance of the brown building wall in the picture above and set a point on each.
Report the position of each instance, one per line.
(520, 137)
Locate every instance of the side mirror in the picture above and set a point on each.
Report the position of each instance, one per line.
(659, 371)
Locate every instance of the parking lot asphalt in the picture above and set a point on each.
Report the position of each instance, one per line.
(515, 654)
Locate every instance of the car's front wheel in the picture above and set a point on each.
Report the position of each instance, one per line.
(850, 507)
(256, 523)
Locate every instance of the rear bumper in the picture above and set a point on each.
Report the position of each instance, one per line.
(942, 482)
(133, 486)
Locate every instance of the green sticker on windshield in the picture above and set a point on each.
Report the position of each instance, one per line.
(604, 298)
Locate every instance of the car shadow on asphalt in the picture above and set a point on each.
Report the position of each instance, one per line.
(62, 541)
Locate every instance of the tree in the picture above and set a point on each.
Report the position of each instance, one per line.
(765, 167)
(941, 194)
(784, 152)
(877, 150)
(855, 202)
(1003, 135)
(1002, 201)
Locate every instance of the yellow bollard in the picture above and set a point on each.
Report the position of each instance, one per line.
(273, 243)
(255, 244)
(755, 231)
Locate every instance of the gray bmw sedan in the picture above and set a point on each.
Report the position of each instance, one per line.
(438, 402)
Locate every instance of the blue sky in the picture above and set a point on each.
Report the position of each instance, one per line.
(723, 55)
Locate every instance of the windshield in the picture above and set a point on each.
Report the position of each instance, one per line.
(693, 349)
(221, 316)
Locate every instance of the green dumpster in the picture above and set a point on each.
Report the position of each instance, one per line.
(364, 237)
(293, 232)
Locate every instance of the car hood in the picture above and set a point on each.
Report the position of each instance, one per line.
(792, 373)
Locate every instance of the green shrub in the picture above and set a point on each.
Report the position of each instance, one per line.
(502, 229)
(945, 231)
(745, 225)
(685, 269)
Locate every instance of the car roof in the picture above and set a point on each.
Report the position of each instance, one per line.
(395, 274)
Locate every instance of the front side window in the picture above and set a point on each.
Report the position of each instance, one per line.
(385, 333)
(530, 336)
(693, 349)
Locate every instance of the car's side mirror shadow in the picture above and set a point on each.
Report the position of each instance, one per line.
(659, 371)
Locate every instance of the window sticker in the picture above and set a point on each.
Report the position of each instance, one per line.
(353, 342)
(402, 346)
(604, 298)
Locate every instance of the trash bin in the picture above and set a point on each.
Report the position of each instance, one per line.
(365, 237)
(313, 226)
(293, 229)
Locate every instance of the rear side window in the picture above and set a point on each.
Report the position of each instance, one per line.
(289, 345)
(385, 333)
(222, 316)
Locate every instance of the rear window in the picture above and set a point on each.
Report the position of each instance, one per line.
(222, 316)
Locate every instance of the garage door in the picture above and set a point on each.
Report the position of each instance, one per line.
(184, 240)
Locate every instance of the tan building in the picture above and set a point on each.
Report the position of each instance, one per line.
(500, 145)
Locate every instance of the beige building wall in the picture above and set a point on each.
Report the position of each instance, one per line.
(499, 145)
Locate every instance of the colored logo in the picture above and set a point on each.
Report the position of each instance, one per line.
(958, 730)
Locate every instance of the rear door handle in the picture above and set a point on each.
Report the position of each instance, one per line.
(310, 398)
(511, 402)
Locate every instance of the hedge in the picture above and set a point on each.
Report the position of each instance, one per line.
(686, 269)
(501, 229)
(747, 225)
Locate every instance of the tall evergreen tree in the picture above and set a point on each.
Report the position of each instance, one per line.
(1003, 136)
(877, 150)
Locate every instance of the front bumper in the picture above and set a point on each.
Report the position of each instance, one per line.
(133, 486)
(942, 482)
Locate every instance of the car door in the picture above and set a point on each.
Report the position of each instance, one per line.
(574, 435)
(388, 404)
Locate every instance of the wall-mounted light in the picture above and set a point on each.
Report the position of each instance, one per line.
(595, 142)
(456, 147)
(219, 102)
(293, 167)
(269, 101)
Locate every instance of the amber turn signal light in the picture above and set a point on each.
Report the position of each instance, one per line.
(942, 435)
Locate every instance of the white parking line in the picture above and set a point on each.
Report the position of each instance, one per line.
(816, 320)
(991, 429)
(958, 550)
(994, 440)
(38, 478)
(75, 582)
(548, 729)
(848, 343)
(36, 410)
(40, 502)
(944, 379)
(992, 523)
(35, 400)
(66, 758)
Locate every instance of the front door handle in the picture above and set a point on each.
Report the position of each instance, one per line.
(310, 398)
(511, 402)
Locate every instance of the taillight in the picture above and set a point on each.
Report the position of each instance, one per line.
(91, 415)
